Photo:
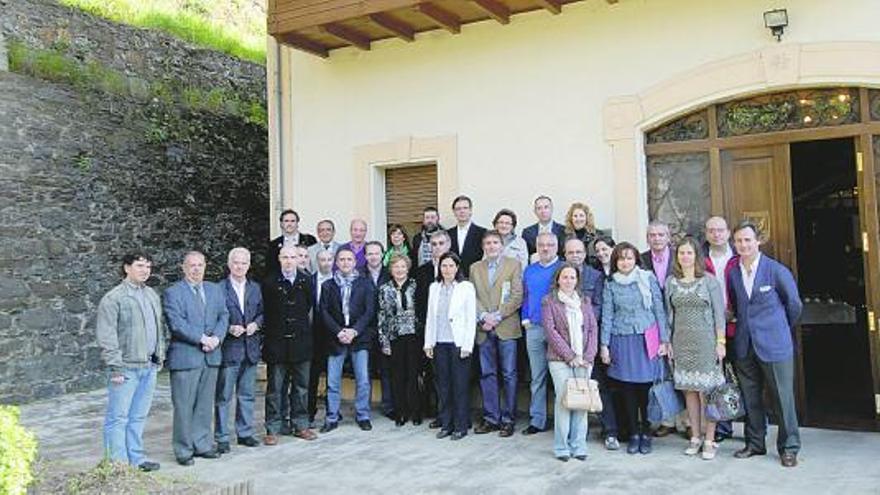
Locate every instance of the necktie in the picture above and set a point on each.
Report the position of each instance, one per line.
(200, 295)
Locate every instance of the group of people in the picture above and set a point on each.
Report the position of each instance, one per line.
(430, 314)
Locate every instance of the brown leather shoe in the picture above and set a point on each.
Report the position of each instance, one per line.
(746, 452)
(270, 440)
(485, 427)
(663, 431)
(305, 434)
(789, 459)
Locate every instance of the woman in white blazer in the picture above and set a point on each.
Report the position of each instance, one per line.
(450, 328)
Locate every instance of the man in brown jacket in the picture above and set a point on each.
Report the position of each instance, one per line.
(498, 283)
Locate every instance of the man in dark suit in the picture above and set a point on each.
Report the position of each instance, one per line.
(241, 353)
(378, 274)
(425, 275)
(347, 307)
(767, 305)
(466, 237)
(545, 223)
(290, 236)
(198, 320)
(659, 259)
(287, 349)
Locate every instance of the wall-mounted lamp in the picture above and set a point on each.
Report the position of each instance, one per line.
(776, 21)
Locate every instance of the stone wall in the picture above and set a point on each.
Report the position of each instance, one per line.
(86, 176)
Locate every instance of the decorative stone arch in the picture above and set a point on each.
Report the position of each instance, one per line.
(626, 118)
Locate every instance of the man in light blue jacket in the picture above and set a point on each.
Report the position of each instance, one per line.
(198, 320)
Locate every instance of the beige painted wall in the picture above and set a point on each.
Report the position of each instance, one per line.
(548, 104)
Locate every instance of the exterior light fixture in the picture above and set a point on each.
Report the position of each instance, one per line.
(776, 21)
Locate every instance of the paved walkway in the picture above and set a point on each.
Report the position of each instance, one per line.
(410, 460)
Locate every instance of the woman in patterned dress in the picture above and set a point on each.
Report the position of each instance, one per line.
(695, 308)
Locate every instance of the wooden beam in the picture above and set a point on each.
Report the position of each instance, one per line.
(496, 9)
(302, 43)
(444, 19)
(347, 35)
(554, 6)
(397, 27)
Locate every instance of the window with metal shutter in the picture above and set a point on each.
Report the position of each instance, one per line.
(408, 190)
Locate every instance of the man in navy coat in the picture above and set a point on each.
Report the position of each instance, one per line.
(197, 318)
(241, 353)
(764, 296)
(544, 213)
(347, 308)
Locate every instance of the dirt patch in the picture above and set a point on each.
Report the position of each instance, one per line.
(110, 478)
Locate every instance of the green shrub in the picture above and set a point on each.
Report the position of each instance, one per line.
(18, 448)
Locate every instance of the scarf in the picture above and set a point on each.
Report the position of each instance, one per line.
(575, 317)
(508, 239)
(404, 250)
(345, 282)
(640, 277)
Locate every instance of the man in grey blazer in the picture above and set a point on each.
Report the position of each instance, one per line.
(197, 318)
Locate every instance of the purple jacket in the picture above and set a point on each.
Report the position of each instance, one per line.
(556, 329)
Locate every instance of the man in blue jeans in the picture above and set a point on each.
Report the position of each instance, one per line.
(536, 284)
(130, 334)
(347, 307)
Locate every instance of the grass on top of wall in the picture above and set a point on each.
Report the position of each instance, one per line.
(55, 66)
(195, 21)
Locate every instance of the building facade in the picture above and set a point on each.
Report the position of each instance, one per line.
(643, 109)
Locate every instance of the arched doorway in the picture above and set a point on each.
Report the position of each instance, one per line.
(802, 164)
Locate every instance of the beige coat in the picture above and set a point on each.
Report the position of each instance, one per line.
(508, 284)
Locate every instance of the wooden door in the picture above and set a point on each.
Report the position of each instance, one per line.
(868, 167)
(756, 185)
(408, 190)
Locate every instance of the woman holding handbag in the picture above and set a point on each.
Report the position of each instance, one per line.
(634, 333)
(572, 335)
(695, 307)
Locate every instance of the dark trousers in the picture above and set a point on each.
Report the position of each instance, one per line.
(430, 402)
(297, 374)
(635, 405)
(192, 395)
(778, 377)
(318, 366)
(406, 362)
(239, 381)
(612, 405)
(453, 387)
(498, 372)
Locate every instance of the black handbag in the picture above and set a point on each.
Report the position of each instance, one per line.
(724, 402)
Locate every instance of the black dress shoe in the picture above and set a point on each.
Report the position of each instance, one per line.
(485, 427)
(223, 448)
(531, 430)
(186, 462)
(399, 422)
(417, 421)
(720, 437)
(563, 458)
(506, 430)
(443, 434)
(788, 459)
(457, 435)
(328, 427)
(148, 466)
(249, 442)
(746, 452)
(211, 454)
(581, 457)
(365, 425)
(434, 424)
